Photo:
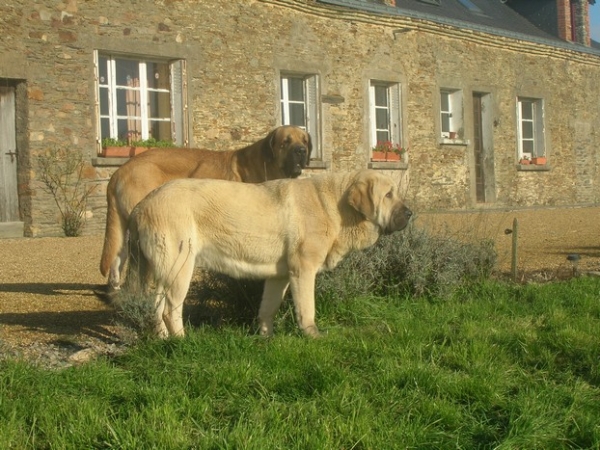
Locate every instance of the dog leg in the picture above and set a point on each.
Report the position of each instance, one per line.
(273, 294)
(303, 293)
(176, 294)
(114, 276)
(117, 268)
(159, 304)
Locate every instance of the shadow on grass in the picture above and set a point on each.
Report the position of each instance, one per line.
(93, 324)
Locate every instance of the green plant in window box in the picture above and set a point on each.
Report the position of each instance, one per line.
(120, 148)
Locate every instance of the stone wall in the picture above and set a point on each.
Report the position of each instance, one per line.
(234, 51)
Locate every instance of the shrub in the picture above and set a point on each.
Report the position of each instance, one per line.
(411, 262)
(62, 173)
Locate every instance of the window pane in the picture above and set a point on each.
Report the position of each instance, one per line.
(104, 101)
(296, 89)
(383, 136)
(445, 101)
(102, 70)
(381, 98)
(129, 129)
(526, 110)
(128, 72)
(527, 146)
(527, 130)
(297, 116)
(159, 105)
(445, 123)
(104, 129)
(128, 103)
(160, 130)
(382, 119)
(158, 75)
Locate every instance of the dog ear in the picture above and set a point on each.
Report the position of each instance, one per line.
(268, 146)
(360, 197)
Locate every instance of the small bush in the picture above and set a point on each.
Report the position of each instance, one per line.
(61, 172)
(136, 312)
(413, 262)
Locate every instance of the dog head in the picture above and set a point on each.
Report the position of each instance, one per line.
(290, 147)
(377, 198)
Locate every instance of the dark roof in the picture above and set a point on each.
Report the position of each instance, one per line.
(489, 16)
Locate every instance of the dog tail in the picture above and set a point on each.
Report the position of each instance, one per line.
(137, 269)
(114, 235)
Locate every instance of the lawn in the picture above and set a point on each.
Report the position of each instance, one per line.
(497, 365)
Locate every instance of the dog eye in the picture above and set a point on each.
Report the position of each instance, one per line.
(389, 194)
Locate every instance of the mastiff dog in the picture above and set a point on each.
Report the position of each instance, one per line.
(284, 231)
(282, 154)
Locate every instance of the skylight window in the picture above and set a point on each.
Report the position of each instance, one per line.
(470, 6)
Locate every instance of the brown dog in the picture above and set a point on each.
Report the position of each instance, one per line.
(282, 154)
(284, 230)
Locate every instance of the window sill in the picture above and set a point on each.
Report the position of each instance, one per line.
(459, 142)
(388, 165)
(533, 168)
(318, 164)
(101, 161)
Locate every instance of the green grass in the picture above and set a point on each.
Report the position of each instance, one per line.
(496, 366)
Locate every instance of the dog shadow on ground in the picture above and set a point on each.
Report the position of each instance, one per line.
(52, 288)
(94, 322)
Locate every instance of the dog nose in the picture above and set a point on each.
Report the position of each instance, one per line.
(300, 151)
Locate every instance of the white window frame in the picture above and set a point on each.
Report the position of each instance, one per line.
(176, 91)
(451, 113)
(310, 105)
(530, 128)
(393, 127)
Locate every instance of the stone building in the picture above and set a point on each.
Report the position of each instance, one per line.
(476, 90)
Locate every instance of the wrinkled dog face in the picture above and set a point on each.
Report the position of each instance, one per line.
(377, 197)
(292, 147)
(392, 214)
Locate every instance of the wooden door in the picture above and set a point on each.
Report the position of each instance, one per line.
(9, 200)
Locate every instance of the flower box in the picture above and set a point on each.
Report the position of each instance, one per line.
(387, 151)
(378, 156)
(524, 162)
(539, 160)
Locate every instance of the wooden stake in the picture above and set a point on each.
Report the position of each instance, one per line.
(514, 260)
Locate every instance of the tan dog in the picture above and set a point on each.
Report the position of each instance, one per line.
(282, 154)
(285, 231)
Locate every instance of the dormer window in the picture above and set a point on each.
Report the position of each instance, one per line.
(471, 6)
